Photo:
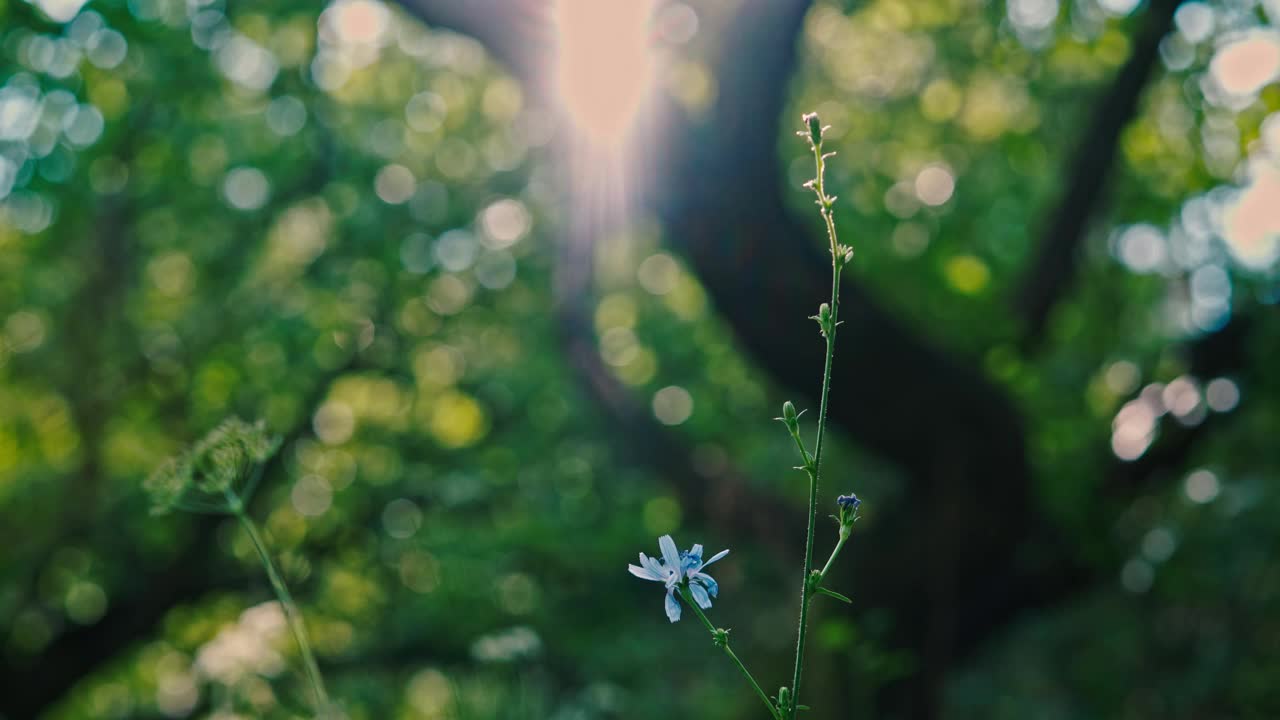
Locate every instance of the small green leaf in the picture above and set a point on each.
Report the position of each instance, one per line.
(835, 595)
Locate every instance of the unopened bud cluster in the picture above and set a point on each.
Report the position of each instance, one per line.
(814, 132)
(784, 701)
(790, 417)
(720, 638)
(814, 125)
(826, 321)
(847, 506)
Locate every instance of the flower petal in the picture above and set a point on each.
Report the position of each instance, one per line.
(700, 595)
(713, 588)
(644, 573)
(673, 608)
(670, 555)
(692, 560)
(714, 558)
(654, 566)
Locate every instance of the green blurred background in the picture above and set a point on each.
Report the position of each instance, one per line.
(508, 346)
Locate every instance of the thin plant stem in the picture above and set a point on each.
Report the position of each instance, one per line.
(844, 537)
(813, 469)
(804, 452)
(688, 598)
(292, 615)
(773, 710)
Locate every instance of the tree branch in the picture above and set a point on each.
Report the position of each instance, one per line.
(1054, 266)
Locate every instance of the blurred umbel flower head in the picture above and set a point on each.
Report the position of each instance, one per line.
(217, 474)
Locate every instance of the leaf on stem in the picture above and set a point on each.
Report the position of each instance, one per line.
(834, 594)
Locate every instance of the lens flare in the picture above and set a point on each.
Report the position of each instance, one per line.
(604, 66)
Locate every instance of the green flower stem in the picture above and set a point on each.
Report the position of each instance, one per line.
(718, 635)
(808, 587)
(804, 454)
(291, 612)
(844, 538)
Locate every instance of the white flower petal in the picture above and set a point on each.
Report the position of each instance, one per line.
(672, 608)
(670, 555)
(714, 558)
(644, 573)
(653, 564)
(700, 595)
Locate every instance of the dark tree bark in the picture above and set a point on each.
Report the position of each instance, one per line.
(1053, 269)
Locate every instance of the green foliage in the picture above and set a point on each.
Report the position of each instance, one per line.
(360, 252)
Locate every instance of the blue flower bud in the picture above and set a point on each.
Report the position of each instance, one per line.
(848, 509)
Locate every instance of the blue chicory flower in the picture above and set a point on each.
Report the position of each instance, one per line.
(848, 501)
(676, 568)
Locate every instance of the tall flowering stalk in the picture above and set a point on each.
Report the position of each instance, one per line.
(216, 477)
(828, 322)
(682, 572)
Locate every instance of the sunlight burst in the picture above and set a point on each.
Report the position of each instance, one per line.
(604, 65)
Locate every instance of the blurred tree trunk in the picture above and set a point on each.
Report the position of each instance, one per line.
(969, 548)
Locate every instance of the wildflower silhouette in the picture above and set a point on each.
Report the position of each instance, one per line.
(217, 476)
(682, 572)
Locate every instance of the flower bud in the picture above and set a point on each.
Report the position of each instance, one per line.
(844, 253)
(823, 318)
(720, 638)
(848, 508)
(815, 127)
(789, 415)
(814, 581)
(784, 699)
